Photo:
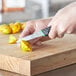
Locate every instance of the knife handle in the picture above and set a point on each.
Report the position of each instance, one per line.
(46, 31)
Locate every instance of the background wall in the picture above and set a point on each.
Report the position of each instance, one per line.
(34, 10)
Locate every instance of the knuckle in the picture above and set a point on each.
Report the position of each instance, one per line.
(61, 30)
(52, 36)
(60, 34)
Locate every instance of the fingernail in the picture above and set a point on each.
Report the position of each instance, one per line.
(51, 36)
(69, 32)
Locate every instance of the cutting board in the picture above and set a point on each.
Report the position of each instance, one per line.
(50, 55)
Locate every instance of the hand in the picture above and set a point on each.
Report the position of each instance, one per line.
(63, 22)
(34, 26)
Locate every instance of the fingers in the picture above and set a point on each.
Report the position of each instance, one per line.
(53, 32)
(71, 29)
(63, 22)
(41, 24)
(58, 27)
(44, 39)
(61, 29)
(35, 41)
(32, 27)
(28, 29)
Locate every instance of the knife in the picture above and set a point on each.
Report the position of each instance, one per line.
(41, 33)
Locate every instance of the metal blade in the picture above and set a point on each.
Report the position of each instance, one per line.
(33, 36)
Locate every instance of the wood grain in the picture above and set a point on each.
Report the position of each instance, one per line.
(50, 55)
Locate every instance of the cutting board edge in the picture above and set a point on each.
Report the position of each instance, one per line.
(55, 61)
(16, 65)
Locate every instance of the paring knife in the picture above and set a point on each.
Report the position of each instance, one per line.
(41, 33)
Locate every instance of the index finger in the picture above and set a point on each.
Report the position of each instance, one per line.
(28, 29)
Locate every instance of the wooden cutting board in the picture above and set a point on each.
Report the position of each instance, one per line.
(50, 55)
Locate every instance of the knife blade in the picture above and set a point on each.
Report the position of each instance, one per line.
(41, 33)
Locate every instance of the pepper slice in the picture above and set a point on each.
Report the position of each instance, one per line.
(25, 46)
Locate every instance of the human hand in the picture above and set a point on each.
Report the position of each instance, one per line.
(34, 26)
(63, 22)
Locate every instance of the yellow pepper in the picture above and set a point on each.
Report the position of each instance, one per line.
(26, 46)
(15, 27)
(5, 29)
(12, 39)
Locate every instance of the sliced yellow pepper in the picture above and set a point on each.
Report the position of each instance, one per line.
(12, 39)
(26, 46)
